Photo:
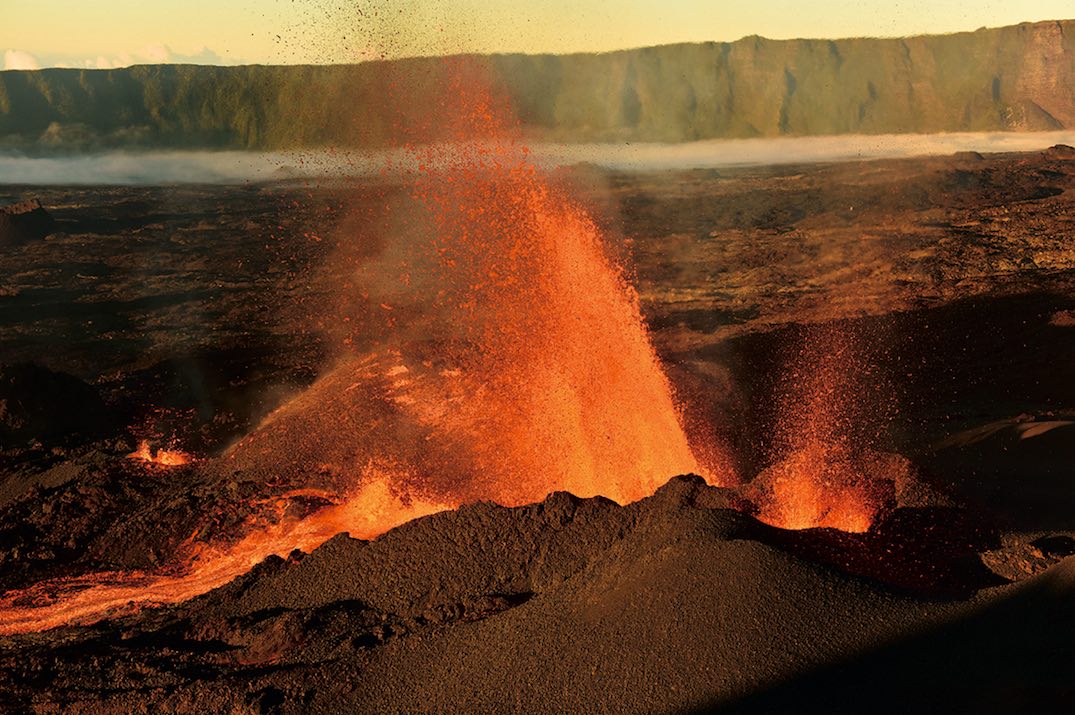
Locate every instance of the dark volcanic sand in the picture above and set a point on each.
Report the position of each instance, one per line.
(956, 273)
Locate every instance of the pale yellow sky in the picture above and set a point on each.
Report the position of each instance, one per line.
(119, 32)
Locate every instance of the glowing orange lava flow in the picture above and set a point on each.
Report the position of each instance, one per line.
(370, 511)
(162, 457)
(516, 363)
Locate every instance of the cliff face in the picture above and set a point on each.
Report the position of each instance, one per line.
(1015, 78)
(1019, 78)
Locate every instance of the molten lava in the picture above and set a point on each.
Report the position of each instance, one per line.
(826, 473)
(371, 510)
(515, 363)
(514, 357)
(160, 457)
(820, 484)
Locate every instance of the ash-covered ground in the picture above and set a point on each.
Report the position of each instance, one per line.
(181, 316)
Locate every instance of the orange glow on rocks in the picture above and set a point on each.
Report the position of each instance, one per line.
(372, 509)
(819, 485)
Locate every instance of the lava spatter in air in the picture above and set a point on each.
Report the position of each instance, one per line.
(514, 357)
(562, 382)
(515, 362)
(826, 472)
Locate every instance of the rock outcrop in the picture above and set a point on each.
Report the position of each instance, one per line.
(23, 222)
(39, 404)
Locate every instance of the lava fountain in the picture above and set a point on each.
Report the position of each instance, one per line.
(514, 362)
(826, 472)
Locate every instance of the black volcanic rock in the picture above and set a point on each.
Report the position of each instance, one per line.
(39, 404)
(23, 222)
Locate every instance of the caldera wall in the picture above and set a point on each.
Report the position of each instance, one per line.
(1018, 78)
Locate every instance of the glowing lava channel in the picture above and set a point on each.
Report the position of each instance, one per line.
(373, 509)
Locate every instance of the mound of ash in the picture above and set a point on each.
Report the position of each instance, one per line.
(676, 602)
(23, 222)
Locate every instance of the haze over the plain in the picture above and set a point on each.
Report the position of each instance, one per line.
(232, 167)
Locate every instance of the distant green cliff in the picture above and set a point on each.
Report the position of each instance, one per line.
(1014, 78)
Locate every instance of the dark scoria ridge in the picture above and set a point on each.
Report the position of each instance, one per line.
(671, 604)
(24, 221)
(1013, 78)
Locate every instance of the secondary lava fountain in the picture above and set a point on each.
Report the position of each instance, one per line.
(523, 367)
(826, 473)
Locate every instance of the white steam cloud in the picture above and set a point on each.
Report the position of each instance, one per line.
(19, 60)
